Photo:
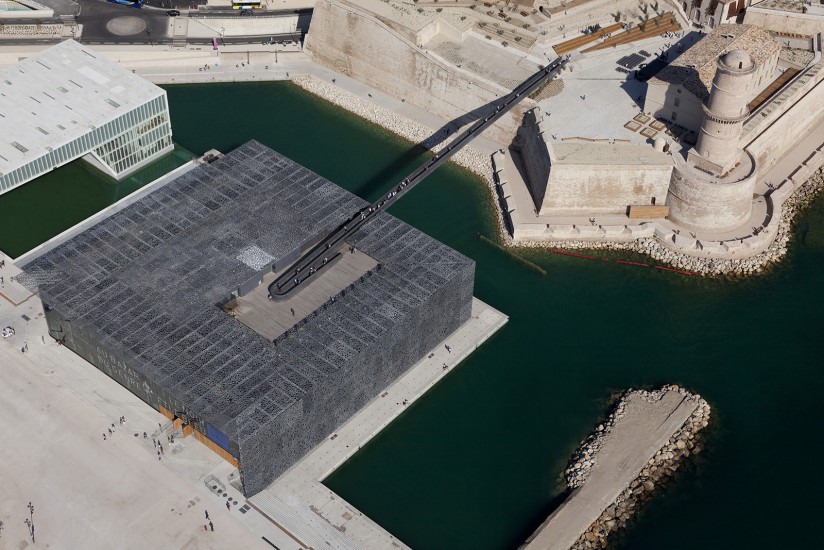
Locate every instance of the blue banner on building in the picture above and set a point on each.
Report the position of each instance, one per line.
(217, 436)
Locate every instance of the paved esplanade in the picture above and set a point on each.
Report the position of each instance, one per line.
(323, 253)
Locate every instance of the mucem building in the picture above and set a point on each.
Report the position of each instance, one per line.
(168, 297)
(68, 102)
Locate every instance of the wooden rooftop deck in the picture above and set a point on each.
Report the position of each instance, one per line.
(666, 22)
(770, 90)
(271, 318)
(580, 41)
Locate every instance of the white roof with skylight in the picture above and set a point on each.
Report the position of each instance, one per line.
(59, 94)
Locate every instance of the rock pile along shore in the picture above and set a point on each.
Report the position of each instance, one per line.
(473, 160)
(666, 462)
(481, 164)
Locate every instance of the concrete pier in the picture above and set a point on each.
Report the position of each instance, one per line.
(309, 512)
(69, 404)
(645, 427)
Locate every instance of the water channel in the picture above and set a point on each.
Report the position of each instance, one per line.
(476, 463)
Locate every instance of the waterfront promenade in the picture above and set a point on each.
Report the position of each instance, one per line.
(309, 511)
(89, 492)
(56, 407)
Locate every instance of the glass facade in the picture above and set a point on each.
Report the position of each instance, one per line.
(119, 145)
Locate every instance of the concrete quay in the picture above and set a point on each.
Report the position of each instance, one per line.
(89, 492)
(641, 443)
(55, 408)
(308, 511)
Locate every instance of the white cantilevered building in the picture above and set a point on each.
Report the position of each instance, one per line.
(68, 102)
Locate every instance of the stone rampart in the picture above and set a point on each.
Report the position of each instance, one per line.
(588, 189)
(784, 21)
(351, 41)
(774, 141)
(705, 203)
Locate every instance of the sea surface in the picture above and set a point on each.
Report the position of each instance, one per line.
(46, 206)
(476, 463)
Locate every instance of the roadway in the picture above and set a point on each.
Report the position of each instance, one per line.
(319, 256)
(112, 23)
(107, 23)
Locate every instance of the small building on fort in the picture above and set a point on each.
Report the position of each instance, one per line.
(677, 93)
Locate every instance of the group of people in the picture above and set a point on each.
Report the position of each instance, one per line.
(7, 332)
(112, 429)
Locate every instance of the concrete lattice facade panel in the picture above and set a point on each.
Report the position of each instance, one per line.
(139, 296)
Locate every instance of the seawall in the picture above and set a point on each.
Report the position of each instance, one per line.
(473, 160)
(643, 441)
(349, 40)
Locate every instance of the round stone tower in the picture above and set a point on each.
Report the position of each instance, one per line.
(724, 113)
(712, 188)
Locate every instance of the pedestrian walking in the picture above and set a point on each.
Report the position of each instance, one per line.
(228, 506)
(110, 431)
(104, 437)
(211, 526)
(205, 527)
(158, 455)
(292, 310)
(161, 448)
(43, 338)
(27, 346)
(145, 435)
(207, 514)
(448, 349)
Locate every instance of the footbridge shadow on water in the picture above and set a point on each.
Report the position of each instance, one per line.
(312, 262)
(378, 182)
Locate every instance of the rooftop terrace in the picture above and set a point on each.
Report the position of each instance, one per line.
(149, 282)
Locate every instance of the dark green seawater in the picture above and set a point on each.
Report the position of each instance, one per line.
(475, 464)
(42, 208)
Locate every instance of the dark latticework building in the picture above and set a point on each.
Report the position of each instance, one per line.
(142, 295)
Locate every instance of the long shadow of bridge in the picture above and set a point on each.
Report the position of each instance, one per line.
(320, 256)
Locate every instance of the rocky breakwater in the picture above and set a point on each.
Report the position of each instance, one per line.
(655, 474)
(643, 442)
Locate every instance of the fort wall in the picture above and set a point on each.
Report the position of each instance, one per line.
(355, 43)
(774, 141)
(784, 21)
